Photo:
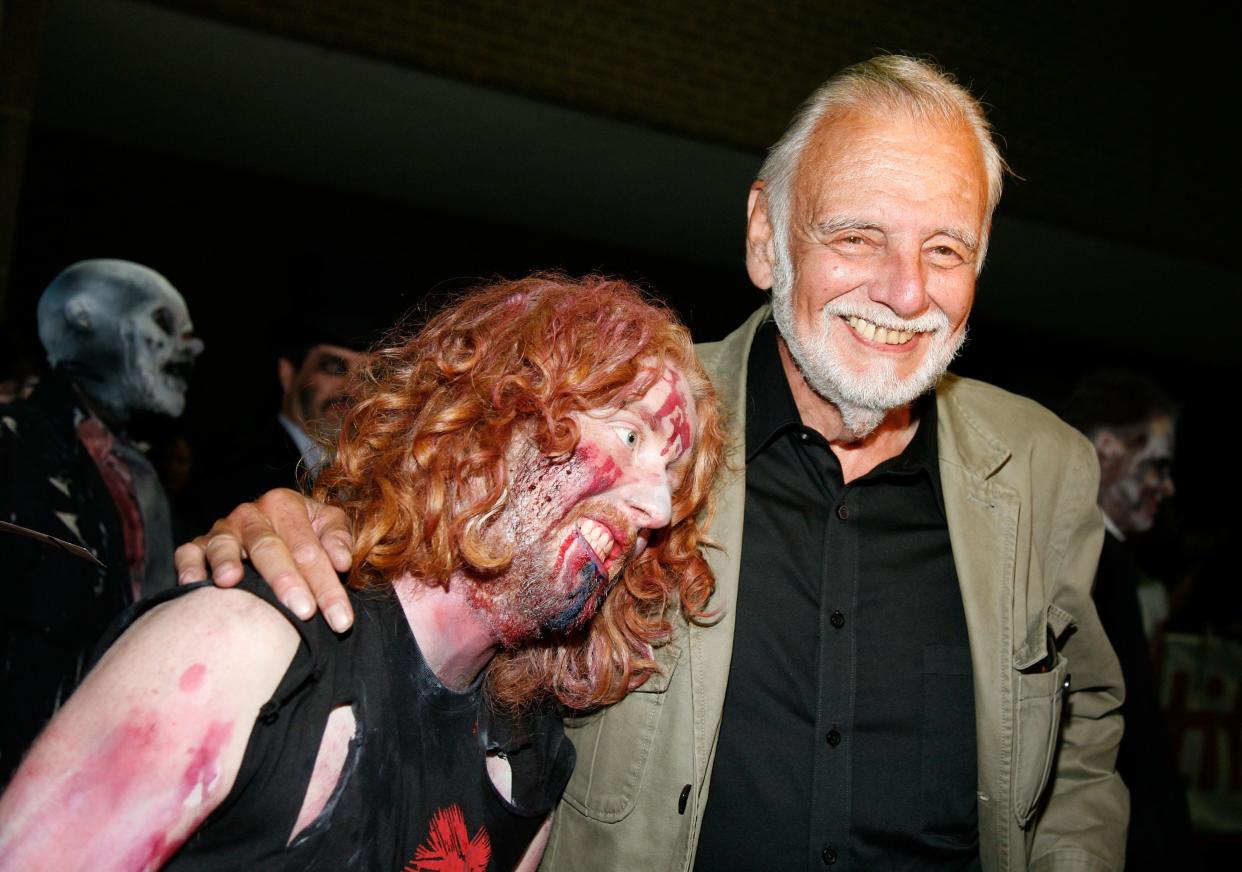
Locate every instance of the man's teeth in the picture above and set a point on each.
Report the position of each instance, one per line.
(883, 335)
(597, 536)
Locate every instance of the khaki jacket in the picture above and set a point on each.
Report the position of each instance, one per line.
(1019, 489)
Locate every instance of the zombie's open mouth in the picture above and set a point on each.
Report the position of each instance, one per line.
(597, 562)
(181, 369)
(602, 544)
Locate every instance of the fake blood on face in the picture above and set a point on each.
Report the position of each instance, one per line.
(552, 583)
(572, 522)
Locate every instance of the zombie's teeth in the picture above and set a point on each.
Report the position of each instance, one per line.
(597, 536)
(875, 333)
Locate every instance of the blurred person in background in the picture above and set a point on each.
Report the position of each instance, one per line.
(1132, 423)
(119, 341)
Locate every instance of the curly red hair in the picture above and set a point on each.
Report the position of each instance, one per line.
(420, 462)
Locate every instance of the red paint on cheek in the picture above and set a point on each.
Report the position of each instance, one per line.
(603, 470)
(192, 678)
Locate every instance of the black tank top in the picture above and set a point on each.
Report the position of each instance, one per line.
(414, 793)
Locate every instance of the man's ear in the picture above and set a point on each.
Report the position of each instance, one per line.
(760, 250)
(285, 372)
(1110, 449)
(80, 315)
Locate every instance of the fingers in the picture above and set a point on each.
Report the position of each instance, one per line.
(334, 534)
(220, 551)
(305, 545)
(190, 560)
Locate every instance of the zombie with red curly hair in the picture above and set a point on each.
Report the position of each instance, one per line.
(527, 476)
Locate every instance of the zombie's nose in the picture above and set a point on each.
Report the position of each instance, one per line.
(651, 504)
(193, 346)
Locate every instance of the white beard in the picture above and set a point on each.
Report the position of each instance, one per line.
(862, 398)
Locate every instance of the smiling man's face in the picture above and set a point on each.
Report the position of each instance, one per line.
(575, 521)
(874, 287)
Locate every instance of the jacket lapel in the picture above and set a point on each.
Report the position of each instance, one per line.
(711, 645)
(983, 526)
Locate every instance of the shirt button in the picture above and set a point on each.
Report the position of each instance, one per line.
(834, 738)
(837, 619)
(843, 512)
(829, 856)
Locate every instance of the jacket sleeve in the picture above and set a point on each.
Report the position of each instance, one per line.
(1082, 821)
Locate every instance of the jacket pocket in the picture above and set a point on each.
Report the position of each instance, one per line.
(1042, 680)
(614, 750)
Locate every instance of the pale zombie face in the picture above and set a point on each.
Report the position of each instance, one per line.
(316, 394)
(1135, 480)
(159, 348)
(124, 331)
(574, 522)
(872, 289)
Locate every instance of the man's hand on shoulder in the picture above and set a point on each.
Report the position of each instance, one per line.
(296, 544)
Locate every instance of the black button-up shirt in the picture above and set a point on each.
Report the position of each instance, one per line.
(848, 736)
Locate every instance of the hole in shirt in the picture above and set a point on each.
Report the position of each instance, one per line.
(501, 773)
(329, 764)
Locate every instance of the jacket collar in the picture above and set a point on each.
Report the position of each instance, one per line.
(965, 441)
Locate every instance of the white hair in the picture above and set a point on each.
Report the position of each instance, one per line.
(883, 85)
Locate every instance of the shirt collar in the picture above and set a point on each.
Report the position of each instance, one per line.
(770, 406)
(771, 410)
(1111, 526)
(311, 452)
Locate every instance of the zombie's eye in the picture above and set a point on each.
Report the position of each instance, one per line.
(628, 436)
(164, 320)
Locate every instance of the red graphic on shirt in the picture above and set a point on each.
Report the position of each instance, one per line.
(449, 847)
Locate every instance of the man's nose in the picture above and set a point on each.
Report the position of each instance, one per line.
(650, 503)
(902, 285)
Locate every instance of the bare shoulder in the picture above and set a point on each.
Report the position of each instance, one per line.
(152, 741)
(209, 614)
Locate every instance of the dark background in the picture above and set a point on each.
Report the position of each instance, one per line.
(291, 156)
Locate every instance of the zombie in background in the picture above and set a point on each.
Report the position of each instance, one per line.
(1131, 422)
(526, 476)
(119, 340)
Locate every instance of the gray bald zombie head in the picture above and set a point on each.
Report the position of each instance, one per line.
(123, 333)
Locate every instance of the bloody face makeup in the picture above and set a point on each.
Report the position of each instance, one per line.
(1137, 477)
(573, 522)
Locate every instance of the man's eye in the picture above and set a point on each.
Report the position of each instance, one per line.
(333, 365)
(628, 436)
(946, 254)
